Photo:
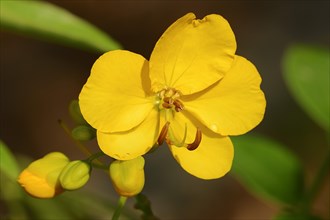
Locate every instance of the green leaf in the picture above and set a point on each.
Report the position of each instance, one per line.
(268, 169)
(8, 163)
(50, 22)
(45, 209)
(306, 72)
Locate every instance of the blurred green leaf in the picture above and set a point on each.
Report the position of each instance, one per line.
(50, 22)
(8, 164)
(306, 72)
(95, 206)
(266, 168)
(11, 195)
(296, 216)
(44, 209)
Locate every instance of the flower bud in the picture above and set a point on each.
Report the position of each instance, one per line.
(75, 175)
(128, 176)
(41, 178)
(83, 133)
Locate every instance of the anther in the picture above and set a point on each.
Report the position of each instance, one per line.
(163, 134)
(178, 105)
(197, 141)
(168, 100)
(167, 105)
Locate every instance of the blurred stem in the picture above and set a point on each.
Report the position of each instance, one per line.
(121, 203)
(317, 183)
(95, 156)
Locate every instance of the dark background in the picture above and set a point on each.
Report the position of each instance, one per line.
(38, 80)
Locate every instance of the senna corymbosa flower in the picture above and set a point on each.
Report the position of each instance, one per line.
(193, 93)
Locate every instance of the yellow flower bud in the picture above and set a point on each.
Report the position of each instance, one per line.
(128, 176)
(40, 178)
(75, 175)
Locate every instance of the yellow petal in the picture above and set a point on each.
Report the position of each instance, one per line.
(232, 106)
(192, 54)
(115, 95)
(38, 186)
(213, 157)
(211, 160)
(133, 143)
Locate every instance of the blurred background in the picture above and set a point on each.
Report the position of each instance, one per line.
(39, 79)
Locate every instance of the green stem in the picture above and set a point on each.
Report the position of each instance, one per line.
(121, 203)
(100, 166)
(317, 183)
(95, 156)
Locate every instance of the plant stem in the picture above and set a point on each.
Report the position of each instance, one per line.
(95, 156)
(317, 183)
(121, 203)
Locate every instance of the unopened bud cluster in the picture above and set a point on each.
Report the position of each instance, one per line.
(55, 173)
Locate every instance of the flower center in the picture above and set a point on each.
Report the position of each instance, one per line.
(169, 99)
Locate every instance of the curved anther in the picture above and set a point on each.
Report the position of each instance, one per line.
(163, 134)
(178, 105)
(197, 141)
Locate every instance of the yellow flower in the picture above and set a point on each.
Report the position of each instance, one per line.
(193, 93)
(41, 178)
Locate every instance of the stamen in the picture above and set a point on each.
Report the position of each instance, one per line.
(168, 100)
(167, 105)
(163, 134)
(178, 105)
(197, 141)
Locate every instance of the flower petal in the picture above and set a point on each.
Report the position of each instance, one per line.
(115, 95)
(37, 186)
(211, 159)
(192, 54)
(232, 106)
(133, 143)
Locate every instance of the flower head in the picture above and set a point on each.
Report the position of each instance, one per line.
(192, 93)
(41, 178)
